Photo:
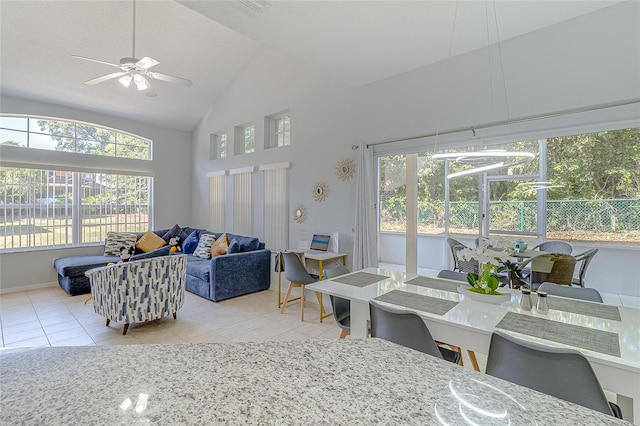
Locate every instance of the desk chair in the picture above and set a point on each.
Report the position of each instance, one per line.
(554, 247)
(560, 372)
(585, 258)
(590, 294)
(298, 276)
(341, 307)
(407, 329)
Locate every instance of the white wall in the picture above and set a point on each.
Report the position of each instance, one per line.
(586, 61)
(321, 135)
(172, 179)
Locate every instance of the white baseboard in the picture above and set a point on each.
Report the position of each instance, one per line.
(28, 287)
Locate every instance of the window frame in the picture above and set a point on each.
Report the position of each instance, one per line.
(219, 145)
(32, 133)
(272, 134)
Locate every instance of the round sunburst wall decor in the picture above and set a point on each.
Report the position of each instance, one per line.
(299, 213)
(345, 170)
(320, 191)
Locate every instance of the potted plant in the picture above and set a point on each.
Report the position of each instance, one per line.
(491, 255)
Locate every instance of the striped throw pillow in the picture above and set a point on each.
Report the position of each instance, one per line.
(204, 246)
(116, 240)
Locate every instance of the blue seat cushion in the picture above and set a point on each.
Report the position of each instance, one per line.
(199, 267)
(77, 265)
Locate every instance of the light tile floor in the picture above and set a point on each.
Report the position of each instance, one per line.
(50, 317)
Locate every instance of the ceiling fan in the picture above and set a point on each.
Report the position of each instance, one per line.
(134, 69)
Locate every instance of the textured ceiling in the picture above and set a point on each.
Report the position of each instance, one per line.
(210, 42)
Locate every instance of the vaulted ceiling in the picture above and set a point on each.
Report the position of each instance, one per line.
(210, 43)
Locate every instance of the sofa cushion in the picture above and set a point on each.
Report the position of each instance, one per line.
(220, 247)
(116, 240)
(198, 267)
(74, 266)
(176, 231)
(246, 243)
(150, 241)
(204, 246)
(191, 242)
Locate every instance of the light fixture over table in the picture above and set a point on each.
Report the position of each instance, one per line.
(490, 159)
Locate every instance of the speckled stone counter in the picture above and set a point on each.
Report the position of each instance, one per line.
(312, 382)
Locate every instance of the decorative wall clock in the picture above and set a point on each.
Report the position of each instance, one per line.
(345, 170)
(299, 213)
(320, 191)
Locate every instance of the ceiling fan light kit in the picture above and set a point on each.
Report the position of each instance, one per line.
(134, 69)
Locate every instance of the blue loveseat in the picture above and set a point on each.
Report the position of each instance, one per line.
(244, 269)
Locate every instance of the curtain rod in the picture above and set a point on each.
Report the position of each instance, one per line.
(513, 121)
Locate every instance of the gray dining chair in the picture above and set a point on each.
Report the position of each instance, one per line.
(553, 289)
(407, 329)
(585, 258)
(553, 246)
(341, 307)
(453, 243)
(298, 277)
(452, 275)
(465, 266)
(560, 372)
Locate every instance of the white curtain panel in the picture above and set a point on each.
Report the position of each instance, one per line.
(217, 202)
(364, 249)
(276, 208)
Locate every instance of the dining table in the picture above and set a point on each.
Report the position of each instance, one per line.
(310, 382)
(608, 336)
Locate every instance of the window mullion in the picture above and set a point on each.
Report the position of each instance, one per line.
(76, 212)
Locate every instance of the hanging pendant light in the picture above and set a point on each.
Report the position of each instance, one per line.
(483, 160)
(490, 159)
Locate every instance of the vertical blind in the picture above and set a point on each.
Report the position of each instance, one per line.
(242, 204)
(217, 200)
(276, 207)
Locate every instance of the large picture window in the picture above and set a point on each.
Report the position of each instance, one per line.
(50, 208)
(59, 200)
(594, 192)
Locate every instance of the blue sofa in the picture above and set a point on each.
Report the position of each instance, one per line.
(244, 269)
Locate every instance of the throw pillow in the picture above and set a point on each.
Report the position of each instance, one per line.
(221, 246)
(150, 241)
(190, 243)
(234, 246)
(117, 240)
(204, 246)
(176, 231)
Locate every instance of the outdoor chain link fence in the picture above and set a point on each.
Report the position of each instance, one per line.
(604, 219)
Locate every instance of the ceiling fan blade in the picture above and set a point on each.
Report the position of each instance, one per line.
(147, 62)
(170, 78)
(105, 78)
(96, 60)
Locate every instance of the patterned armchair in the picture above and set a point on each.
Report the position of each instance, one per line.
(139, 291)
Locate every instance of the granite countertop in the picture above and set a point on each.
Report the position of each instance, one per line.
(299, 382)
